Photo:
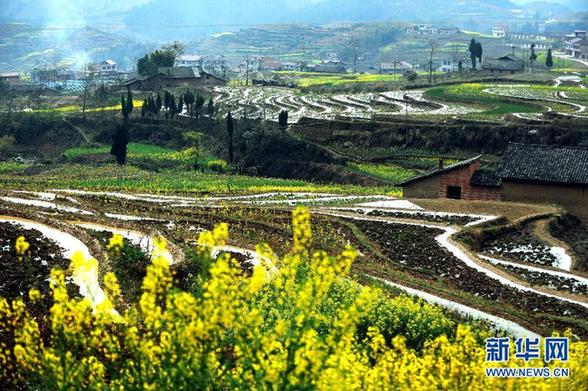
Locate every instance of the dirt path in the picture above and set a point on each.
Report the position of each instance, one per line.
(541, 230)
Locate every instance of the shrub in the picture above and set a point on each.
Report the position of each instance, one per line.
(303, 325)
(218, 165)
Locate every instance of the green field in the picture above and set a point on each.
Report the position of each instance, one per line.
(342, 79)
(472, 93)
(389, 172)
(134, 179)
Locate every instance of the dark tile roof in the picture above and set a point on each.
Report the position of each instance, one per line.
(180, 72)
(485, 178)
(545, 163)
(438, 171)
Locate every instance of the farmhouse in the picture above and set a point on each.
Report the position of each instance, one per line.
(508, 63)
(189, 60)
(11, 78)
(462, 180)
(190, 77)
(546, 174)
(576, 44)
(396, 68)
(528, 173)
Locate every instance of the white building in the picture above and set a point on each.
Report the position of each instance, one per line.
(447, 66)
(189, 60)
(396, 68)
(108, 67)
(498, 32)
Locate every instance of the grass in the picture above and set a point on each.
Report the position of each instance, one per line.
(311, 80)
(472, 93)
(73, 108)
(6, 167)
(129, 178)
(150, 154)
(389, 172)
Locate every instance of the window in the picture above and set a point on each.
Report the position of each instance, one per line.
(454, 192)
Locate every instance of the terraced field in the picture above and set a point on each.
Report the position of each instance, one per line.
(267, 102)
(401, 245)
(471, 100)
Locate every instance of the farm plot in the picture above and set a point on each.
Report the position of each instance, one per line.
(413, 248)
(522, 245)
(565, 100)
(267, 102)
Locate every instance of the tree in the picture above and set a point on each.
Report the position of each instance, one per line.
(120, 139)
(479, 52)
(198, 105)
(126, 106)
(283, 119)
(210, 108)
(532, 57)
(473, 50)
(410, 75)
(230, 129)
(164, 57)
(180, 105)
(549, 59)
(189, 101)
(157, 104)
(7, 96)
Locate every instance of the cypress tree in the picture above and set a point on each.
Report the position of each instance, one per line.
(549, 59)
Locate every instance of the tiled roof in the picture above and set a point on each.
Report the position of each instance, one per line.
(485, 178)
(438, 171)
(180, 72)
(545, 163)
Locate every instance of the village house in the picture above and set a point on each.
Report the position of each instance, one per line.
(108, 68)
(396, 68)
(10, 78)
(291, 66)
(189, 60)
(462, 180)
(447, 66)
(507, 63)
(546, 174)
(188, 77)
(576, 45)
(327, 66)
(528, 173)
(498, 32)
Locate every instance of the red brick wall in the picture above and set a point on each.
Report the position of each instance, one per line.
(461, 177)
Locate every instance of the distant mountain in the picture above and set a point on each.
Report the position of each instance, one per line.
(203, 16)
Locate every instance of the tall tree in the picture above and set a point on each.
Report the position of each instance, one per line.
(210, 108)
(532, 57)
(283, 118)
(120, 139)
(549, 59)
(198, 105)
(230, 129)
(473, 50)
(479, 52)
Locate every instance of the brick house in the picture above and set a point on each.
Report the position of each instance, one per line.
(462, 180)
(546, 174)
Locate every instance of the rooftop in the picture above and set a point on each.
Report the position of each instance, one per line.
(545, 163)
(438, 171)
